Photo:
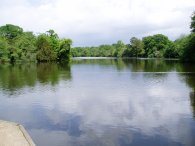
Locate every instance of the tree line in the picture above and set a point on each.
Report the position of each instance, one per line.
(18, 46)
(155, 46)
(151, 46)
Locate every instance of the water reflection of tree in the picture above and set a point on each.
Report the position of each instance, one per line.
(192, 99)
(135, 65)
(107, 62)
(47, 72)
(189, 76)
(157, 66)
(102, 62)
(151, 65)
(17, 76)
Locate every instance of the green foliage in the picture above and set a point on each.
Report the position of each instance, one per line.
(180, 44)
(4, 50)
(192, 26)
(189, 49)
(10, 31)
(157, 45)
(18, 46)
(119, 49)
(64, 49)
(136, 47)
(27, 46)
(51, 48)
(151, 46)
(45, 51)
(171, 51)
(54, 39)
(114, 50)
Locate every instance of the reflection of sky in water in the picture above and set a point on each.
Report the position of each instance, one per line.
(103, 106)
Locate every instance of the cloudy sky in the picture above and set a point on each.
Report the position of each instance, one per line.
(94, 22)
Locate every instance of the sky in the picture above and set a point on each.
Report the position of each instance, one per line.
(95, 22)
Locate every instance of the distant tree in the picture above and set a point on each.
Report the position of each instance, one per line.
(136, 47)
(52, 33)
(104, 50)
(45, 51)
(180, 44)
(119, 49)
(54, 39)
(192, 26)
(27, 44)
(171, 51)
(10, 31)
(64, 49)
(156, 45)
(3, 50)
(16, 45)
(189, 50)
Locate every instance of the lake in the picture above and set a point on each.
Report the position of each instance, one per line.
(102, 102)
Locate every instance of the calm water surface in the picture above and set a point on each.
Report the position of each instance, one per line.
(102, 102)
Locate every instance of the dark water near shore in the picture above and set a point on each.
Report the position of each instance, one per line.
(102, 102)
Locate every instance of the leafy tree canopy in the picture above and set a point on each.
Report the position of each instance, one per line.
(155, 45)
(10, 31)
(192, 26)
(137, 47)
(45, 51)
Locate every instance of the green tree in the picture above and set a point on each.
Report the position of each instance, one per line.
(156, 45)
(189, 50)
(136, 47)
(119, 49)
(45, 51)
(192, 26)
(64, 49)
(27, 46)
(171, 51)
(10, 31)
(17, 45)
(4, 50)
(54, 39)
(180, 44)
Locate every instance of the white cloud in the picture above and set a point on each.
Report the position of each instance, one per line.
(91, 22)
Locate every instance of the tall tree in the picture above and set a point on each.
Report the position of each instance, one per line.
(54, 39)
(119, 48)
(136, 47)
(64, 49)
(45, 51)
(156, 45)
(10, 31)
(189, 48)
(27, 45)
(180, 44)
(192, 26)
(3, 50)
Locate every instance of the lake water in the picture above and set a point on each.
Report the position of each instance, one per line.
(102, 102)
